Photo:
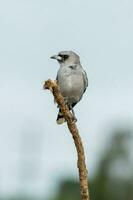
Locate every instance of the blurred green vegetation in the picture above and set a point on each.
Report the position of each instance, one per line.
(113, 179)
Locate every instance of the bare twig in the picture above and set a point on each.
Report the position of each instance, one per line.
(53, 87)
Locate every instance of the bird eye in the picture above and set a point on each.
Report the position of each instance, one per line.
(65, 56)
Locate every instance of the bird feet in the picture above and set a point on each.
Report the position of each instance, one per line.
(74, 118)
(66, 100)
(73, 114)
(71, 109)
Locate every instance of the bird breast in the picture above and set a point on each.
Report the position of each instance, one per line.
(71, 83)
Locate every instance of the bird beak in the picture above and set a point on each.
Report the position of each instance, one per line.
(56, 57)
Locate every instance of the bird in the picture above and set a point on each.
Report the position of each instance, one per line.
(72, 80)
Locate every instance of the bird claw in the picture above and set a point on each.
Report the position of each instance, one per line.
(74, 118)
(66, 100)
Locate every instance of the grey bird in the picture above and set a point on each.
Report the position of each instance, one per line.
(72, 80)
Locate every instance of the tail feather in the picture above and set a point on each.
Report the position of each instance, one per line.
(60, 119)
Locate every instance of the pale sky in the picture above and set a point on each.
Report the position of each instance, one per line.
(101, 32)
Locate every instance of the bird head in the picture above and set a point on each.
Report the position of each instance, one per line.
(66, 58)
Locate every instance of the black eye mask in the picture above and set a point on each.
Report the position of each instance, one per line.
(64, 56)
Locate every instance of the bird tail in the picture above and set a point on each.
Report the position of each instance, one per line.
(60, 119)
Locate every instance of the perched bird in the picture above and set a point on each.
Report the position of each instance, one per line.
(72, 80)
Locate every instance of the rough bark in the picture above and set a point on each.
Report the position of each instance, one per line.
(54, 88)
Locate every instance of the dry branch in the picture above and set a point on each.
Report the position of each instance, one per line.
(53, 87)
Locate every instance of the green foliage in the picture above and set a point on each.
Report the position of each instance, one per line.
(113, 179)
(69, 189)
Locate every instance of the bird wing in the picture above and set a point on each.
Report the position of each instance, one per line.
(85, 79)
(57, 78)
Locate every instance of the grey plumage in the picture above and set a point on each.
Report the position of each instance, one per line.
(71, 78)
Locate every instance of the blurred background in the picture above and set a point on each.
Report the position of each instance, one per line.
(37, 157)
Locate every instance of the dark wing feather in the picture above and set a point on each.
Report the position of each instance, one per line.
(85, 79)
(57, 78)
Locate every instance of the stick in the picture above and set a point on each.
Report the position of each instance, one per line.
(54, 88)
